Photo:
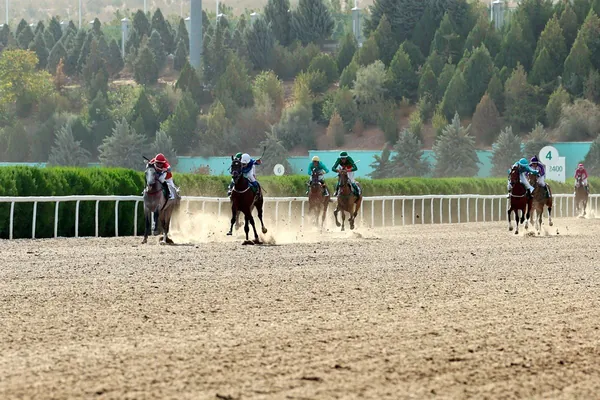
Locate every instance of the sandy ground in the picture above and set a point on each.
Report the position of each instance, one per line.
(444, 311)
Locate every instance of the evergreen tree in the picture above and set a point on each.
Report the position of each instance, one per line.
(486, 122)
(73, 53)
(533, 15)
(261, 44)
(590, 30)
(275, 153)
(85, 52)
(538, 139)
(326, 64)
(312, 21)
(159, 25)
(143, 111)
(346, 51)
(496, 91)
(20, 27)
(514, 49)
(4, 35)
(386, 43)
(569, 25)
(446, 41)
(181, 125)
(141, 24)
(123, 147)
(39, 28)
(103, 49)
(577, 67)
(280, 20)
(335, 130)
(55, 29)
(402, 14)
(94, 72)
(425, 31)
(428, 84)
(444, 80)
(145, 68)
(67, 151)
(382, 166)
(477, 74)
(543, 71)
(401, 77)
(553, 41)
(57, 53)
(582, 9)
(164, 144)
(235, 84)
(521, 110)
(155, 44)
(414, 53)
(190, 82)
(408, 160)
(180, 56)
(368, 53)
(48, 39)
(114, 62)
(591, 87)
(592, 158)
(559, 98)
(349, 76)
(183, 35)
(25, 37)
(455, 152)
(453, 101)
(60, 79)
(505, 152)
(97, 28)
(437, 62)
(39, 47)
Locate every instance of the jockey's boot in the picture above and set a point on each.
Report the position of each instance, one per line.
(355, 189)
(255, 186)
(166, 190)
(529, 193)
(337, 190)
(547, 192)
(307, 188)
(587, 189)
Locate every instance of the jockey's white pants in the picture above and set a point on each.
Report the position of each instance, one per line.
(541, 180)
(170, 185)
(251, 175)
(584, 182)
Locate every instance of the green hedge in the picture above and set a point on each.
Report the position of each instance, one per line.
(31, 181)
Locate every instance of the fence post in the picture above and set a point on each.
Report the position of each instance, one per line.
(56, 219)
(492, 210)
(372, 213)
(302, 222)
(117, 218)
(34, 220)
(77, 219)
(413, 210)
(96, 217)
(476, 209)
(290, 212)
(403, 212)
(135, 215)
(459, 210)
(431, 210)
(422, 210)
(484, 209)
(219, 212)
(441, 210)
(468, 211)
(393, 212)
(11, 220)
(383, 213)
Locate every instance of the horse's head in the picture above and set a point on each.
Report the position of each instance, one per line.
(315, 177)
(236, 169)
(532, 180)
(514, 175)
(343, 176)
(150, 175)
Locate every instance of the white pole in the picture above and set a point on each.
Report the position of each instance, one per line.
(79, 13)
(145, 7)
(6, 12)
(217, 15)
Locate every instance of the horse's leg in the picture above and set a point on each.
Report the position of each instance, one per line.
(156, 225)
(246, 227)
(550, 223)
(510, 228)
(356, 207)
(335, 214)
(234, 219)
(517, 220)
(325, 206)
(259, 210)
(148, 226)
(343, 220)
(256, 239)
(167, 224)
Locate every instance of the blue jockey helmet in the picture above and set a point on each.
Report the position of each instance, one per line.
(534, 159)
(523, 161)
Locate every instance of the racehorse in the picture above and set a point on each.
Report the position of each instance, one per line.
(347, 201)
(581, 196)
(317, 200)
(157, 201)
(539, 201)
(243, 199)
(518, 200)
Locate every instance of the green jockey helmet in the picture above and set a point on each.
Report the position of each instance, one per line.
(523, 161)
(238, 156)
(343, 154)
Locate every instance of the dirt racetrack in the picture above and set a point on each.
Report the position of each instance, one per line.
(443, 311)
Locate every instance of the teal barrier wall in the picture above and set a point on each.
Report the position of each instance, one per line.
(574, 153)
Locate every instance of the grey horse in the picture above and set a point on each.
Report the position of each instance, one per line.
(155, 201)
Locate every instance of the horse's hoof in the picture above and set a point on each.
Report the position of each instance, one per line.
(338, 224)
(516, 232)
(162, 242)
(144, 241)
(264, 230)
(343, 229)
(229, 233)
(248, 243)
(257, 241)
(510, 228)
(170, 241)
(550, 223)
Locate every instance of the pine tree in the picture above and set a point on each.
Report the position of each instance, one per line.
(455, 152)
(543, 71)
(486, 122)
(145, 69)
(115, 62)
(67, 151)
(347, 49)
(183, 35)
(143, 110)
(590, 30)
(4, 35)
(39, 47)
(496, 91)
(155, 44)
(568, 23)
(454, 96)
(39, 28)
(48, 39)
(534, 15)
(477, 74)
(414, 53)
(181, 125)
(382, 166)
(275, 153)
(123, 147)
(25, 38)
(514, 49)
(85, 52)
(348, 76)
(97, 28)
(401, 77)
(577, 67)
(592, 158)
(141, 24)
(402, 14)
(518, 96)
(180, 56)
(552, 39)
(326, 64)
(335, 130)
(437, 63)
(261, 44)
(312, 21)
(94, 72)
(73, 53)
(555, 104)
(277, 15)
(591, 89)
(538, 139)
(505, 152)
(386, 43)
(55, 29)
(57, 53)
(444, 79)
(20, 27)
(477, 35)
(425, 31)
(368, 53)
(235, 83)
(428, 84)
(60, 79)
(446, 41)
(164, 144)
(159, 25)
(408, 160)
(190, 82)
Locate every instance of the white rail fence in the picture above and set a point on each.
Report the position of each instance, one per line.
(377, 211)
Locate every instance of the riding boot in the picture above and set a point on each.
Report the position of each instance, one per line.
(547, 192)
(337, 190)
(529, 194)
(587, 189)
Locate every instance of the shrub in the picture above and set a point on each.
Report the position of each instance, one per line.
(579, 121)
(335, 130)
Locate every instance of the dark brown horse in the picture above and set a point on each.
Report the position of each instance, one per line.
(243, 199)
(540, 200)
(518, 200)
(581, 196)
(347, 201)
(318, 199)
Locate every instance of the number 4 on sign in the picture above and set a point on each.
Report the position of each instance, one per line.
(549, 156)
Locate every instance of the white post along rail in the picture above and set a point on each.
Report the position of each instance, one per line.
(375, 211)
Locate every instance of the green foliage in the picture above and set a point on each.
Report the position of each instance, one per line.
(368, 53)
(370, 84)
(558, 99)
(415, 124)
(312, 21)
(114, 62)
(261, 44)
(123, 148)
(590, 31)
(402, 14)
(437, 62)
(296, 127)
(183, 35)
(477, 74)
(538, 139)
(349, 76)
(447, 41)
(414, 53)
(190, 82)
(336, 130)
(164, 144)
(592, 158)
(522, 112)
(495, 90)
(382, 167)
(346, 51)
(25, 37)
(486, 122)
(444, 78)
(180, 56)
(315, 81)
(58, 52)
(387, 122)
(402, 80)
(235, 83)
(94, 72)
(344, 104)
(17, 146)
(577, 67)
(277, 15)
(157, 48)
(67, 151)
(144, 112)
(455, 151)
(543, 71)
(515, 49)
(569, 25)
(145, 68)
(425, 30)
(428, 84)
(215, 131)
(161, 26)
(591, 87)
(181, 125)
(326, 64)
(275, 153)
(454, 98)
(386, 43)
(579, 121)
(553, 41)
(505, 152)
(268, 87)
(39, 47)
(408, 159)
(290, 61)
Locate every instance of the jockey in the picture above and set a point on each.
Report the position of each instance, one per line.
(249, 170)
(238, 156)
(581, 172)
(321, 169)
(524, 168)
(541, 169)
(165, 176)
(346, 162)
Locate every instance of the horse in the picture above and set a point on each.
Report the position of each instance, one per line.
(157, 201)
(538, 203)
(317, 200)
(347, 201)
(581, 196)
(518, 200)
(243, 199)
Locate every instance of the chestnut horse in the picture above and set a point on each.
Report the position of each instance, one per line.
(347, 201)
(518, 200)
(539, 202)
(317, 198)
(581, 196)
